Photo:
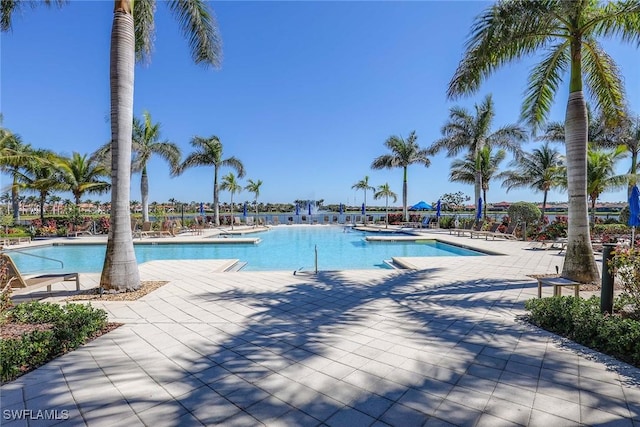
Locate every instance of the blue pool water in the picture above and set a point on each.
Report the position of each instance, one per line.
(281, 248)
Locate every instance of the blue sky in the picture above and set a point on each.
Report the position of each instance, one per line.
(307, 94)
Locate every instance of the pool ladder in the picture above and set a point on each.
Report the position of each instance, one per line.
(301, 269)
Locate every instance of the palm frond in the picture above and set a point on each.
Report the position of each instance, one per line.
(603, 80)
(543, 84)
(199, 27)
(144, 25)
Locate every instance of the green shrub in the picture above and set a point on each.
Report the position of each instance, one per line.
(581, 321)
(524, 212)
(72, 325)
(625, 265)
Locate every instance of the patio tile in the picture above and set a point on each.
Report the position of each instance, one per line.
(349, 417)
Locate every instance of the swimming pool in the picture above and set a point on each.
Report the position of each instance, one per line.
(281, 248)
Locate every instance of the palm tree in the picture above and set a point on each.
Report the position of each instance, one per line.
(627, 134)
(567, 31)
(601, 174)
(385, 191)
(363, 185)
(40, 177)
(467, 132)
(82, 175)
(230, 184)
(540, 170)
(146, 142)
(15, 156)
(403, 153)
(254, 187)
(485, 164)
(209, 153)
(131, 38)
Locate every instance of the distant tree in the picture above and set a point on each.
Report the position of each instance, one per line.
(540, 170)
(471, 133)
(230, 184)
(385, 191)
(485, 164)
(39, 176)
(454, 201)
(81, 175)
(254, 187)
(403, 153)
(208, 152)
(363, 185)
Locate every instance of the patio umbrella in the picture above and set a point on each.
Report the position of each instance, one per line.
(201, 209)
(309, 208)
(297, 210)
(421, 206)
(244, 209)
(341, 209)
(479, 214)
(634, 211)
(363, 209)
(438, 209)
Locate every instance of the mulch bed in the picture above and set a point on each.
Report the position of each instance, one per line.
(16, 330)
(95, 295)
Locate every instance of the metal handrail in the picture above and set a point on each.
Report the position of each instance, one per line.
(37, 256)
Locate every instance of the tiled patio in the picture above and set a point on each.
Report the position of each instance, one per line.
(438, 345)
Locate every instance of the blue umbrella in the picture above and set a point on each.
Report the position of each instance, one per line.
(634, 211)
(309, 208)
(438, 209)
(201, 209)
(341, 209)
(363, 209)
(244, 209)
(479, 214)
(421, 206)
(297, 210)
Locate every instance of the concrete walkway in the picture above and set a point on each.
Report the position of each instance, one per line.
(438, 345)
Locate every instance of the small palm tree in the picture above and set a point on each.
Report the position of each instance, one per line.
(363, 185)
(568, 32)
(40, 177)
(15, 157)
(82, 175)
(601, 174)
(484, 164)
(208, 152)
(254, 187)
(230, 184)
(403, 153)
(385, 191)
(471, 133)
(540, 170)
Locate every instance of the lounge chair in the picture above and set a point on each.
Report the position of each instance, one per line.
(85, 228)
(145, 231)
(466, 228)
(166, 230)
(509, 233)
(17, 280)
(486, 233)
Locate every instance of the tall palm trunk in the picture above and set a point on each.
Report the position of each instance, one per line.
(120, 269)
(544, 207)
(478, 184)
(216, 197)
(580, 264)
(15, 201)
(43, 196)
(144, 194)
(405, 209)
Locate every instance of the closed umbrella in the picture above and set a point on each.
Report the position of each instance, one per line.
(201, 209)
(244, 209)
(634, 211)
(297, 210)
(341, 209)
(438, 209)
(479, 214)
(309, 208)
(363, 209)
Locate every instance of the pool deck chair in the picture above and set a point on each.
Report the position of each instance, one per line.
(75, 230)
(32, 282)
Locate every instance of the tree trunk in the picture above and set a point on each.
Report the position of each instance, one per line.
(120, 271)
(544, 208)
(216, 203)
(15, 201)
(43, 196)
(144, 194)
(484, 204)
(579, 264)
(405, 210)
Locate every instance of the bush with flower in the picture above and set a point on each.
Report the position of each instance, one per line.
(625, 266)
